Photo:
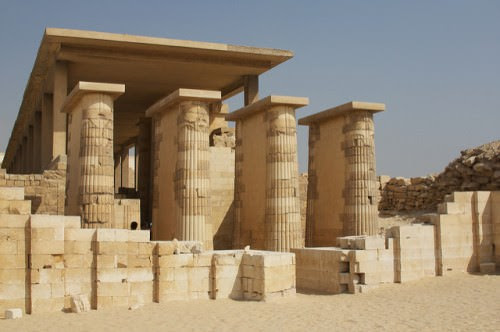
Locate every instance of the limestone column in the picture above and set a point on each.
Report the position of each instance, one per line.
(60, 92)
(37, 148)
(267, 207)
(144, 170)
(342, 190)
(125, 167)
(90, 178)
(361, 213)
(182, 136)
(25, 155)
(118, 171)
(31, 146)
(47, 136)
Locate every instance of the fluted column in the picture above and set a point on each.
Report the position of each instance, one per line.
(282, 185)
(90, 178)
(181, 165)
(361, 214)
(267, 207)
(342, 191)
(192, 184)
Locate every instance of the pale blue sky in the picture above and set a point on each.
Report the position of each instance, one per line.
(435, 64)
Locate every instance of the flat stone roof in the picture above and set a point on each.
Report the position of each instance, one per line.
(150, 68)
(180, 95)
(266, 103)
(341, 110)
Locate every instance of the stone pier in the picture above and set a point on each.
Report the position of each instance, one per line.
(342, 189)
(181, 202)
(90, 172)
(267, 208)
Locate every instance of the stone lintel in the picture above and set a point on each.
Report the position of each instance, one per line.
(83, 88)
(349, 107)
(265, 104)
(180, 95)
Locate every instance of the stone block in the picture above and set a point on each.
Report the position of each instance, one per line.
(176, 260)
(78, 247)
(46, 261)
(12, 291)
(111, 247)
(14, 220)
(47, 247)
(9, 261)
(46, 276)
(47, 305)
(112, 275)
(72, 222)
(15, 207)
(138, 236)
(450, 208)
(487, 268)
(12, 193)
(112, 289)
(14, 313)
(78, 275)
(80, 303)
(47, 221)
(140, 274)
(105, 235)
(76, 234)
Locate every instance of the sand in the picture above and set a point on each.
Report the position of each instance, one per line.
(459, 302)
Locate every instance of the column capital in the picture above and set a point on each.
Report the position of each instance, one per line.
(350, 107)
(266, 104)
(181, 95)
(83, 88)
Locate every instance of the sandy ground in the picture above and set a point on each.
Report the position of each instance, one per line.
(459, 302)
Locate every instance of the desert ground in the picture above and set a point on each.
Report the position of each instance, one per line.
(457, 302)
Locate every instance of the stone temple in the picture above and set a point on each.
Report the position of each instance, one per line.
(211, 207)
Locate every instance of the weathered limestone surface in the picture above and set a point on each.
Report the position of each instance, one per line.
(46, 191)
(90, 180)
(267, 207)
(463, 237)
(222, 196)
(182, 165)
(49, 261)
(342, 189)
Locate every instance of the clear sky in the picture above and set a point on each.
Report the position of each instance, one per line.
(435, 64)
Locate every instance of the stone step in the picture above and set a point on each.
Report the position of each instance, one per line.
(450, 208)
(15, 206)
(14, 220)
(12, 193)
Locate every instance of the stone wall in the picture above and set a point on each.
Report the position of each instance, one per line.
(464, 236)
(222, 196)
(46, 191)
(48, 261)
(476, 169)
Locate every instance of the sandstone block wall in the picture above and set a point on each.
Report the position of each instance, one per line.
(46, 191)
(126, 211)
(13, 261)
(46, 260)
(222, 196)
(468, 227)
(359, 263)
(463, 236)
